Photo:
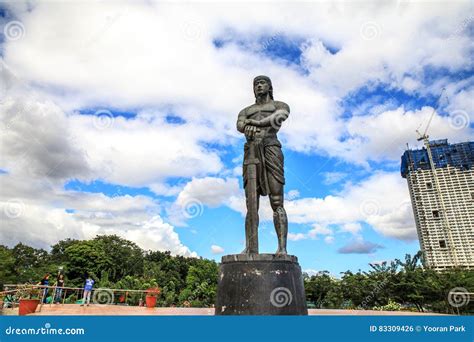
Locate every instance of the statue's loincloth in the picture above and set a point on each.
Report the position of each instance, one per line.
(270, 157)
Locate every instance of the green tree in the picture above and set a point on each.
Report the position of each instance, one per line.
(127, 257)
(318, 287)
(7, 266)
(58, 250)
(86, 258)
(201, 284)
(31, 264)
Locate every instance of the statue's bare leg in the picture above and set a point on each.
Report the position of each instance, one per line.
(251, 233)
(280, 219)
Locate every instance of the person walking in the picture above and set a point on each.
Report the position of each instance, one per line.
(88, 290)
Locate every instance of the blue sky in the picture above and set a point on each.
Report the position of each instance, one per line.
(124, 123)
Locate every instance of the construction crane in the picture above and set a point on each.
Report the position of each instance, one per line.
(425, 138)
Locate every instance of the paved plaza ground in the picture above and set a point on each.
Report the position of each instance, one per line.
(118, 310)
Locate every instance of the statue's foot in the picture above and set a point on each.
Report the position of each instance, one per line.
(249, 251)
(281, 251)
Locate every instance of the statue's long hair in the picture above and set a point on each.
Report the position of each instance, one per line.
(266, 78)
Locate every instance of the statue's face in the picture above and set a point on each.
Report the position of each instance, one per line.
(261, 87)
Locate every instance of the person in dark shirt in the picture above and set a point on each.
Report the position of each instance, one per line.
(59, 288)
(45, 282)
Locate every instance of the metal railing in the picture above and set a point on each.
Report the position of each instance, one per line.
(101, 296)
(460, 297)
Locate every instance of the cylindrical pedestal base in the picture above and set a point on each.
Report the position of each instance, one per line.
(260, 284)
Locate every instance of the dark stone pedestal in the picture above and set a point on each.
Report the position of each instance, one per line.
(260, 284)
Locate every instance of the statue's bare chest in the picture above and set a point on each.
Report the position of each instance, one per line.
(259, 112)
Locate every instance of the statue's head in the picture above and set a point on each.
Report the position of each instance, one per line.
(262, 85)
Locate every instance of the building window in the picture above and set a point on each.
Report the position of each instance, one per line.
(436, 214)
(429, 185)
(472, 195)
(442, 243)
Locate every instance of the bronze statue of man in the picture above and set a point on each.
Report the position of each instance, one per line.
(263, 171)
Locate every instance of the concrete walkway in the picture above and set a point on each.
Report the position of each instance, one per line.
(117, 310)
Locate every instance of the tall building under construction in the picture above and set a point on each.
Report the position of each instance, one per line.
(440, 179)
